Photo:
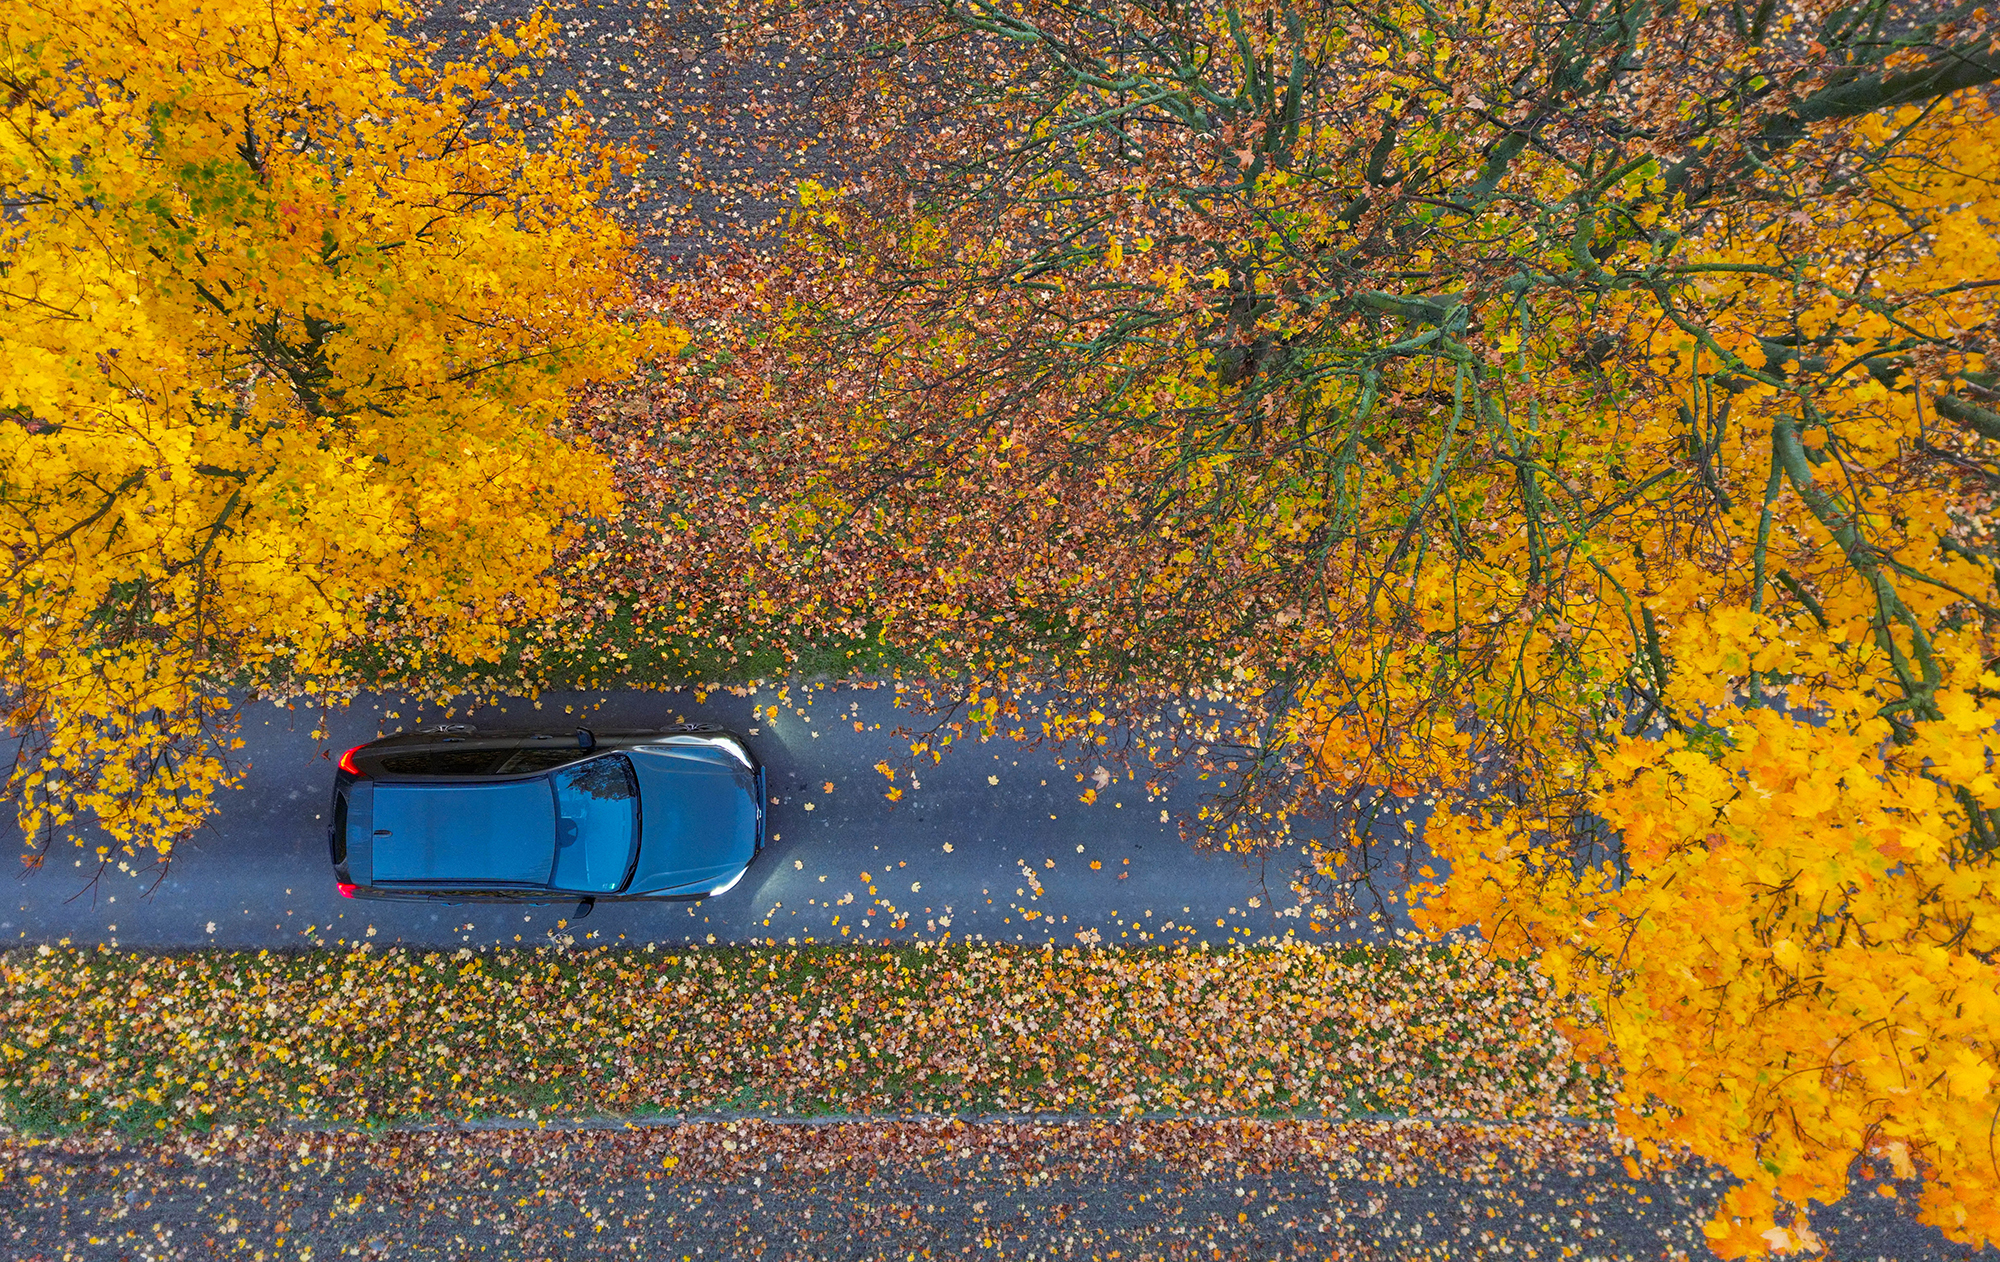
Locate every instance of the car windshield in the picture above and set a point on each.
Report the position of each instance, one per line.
(597, 824)
(471, 833)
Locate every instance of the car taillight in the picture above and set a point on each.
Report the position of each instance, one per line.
(347, 762)
(346, 890)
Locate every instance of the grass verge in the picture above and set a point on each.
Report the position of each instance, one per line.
(104, 1040)
(618, 651)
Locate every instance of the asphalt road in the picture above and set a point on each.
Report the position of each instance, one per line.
(844, 862)
(872, 1190)
(723, 142)
(951, 858)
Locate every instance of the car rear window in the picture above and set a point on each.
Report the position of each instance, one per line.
(472, 833)
(444, 762)
(339, 835)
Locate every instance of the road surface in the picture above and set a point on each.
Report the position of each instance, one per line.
(844, 863)
(870, 1190)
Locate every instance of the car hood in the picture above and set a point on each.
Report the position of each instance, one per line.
(698, 818)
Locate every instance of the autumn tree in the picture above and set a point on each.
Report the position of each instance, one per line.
(1579, 414)
(287, 306)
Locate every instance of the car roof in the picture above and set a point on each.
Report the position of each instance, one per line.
(492, 831)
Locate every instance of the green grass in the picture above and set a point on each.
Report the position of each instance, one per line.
(136, 1043)
(618, 652)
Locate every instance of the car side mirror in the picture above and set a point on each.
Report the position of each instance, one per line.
(584, 740)
(584, 906)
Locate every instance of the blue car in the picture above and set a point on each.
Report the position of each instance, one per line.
(459, 814)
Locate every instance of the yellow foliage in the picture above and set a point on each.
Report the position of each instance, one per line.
(1789, 926)
(1605, 464)
(286, 311)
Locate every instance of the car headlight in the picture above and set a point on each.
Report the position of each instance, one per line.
(733, 749)
(727, 885)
